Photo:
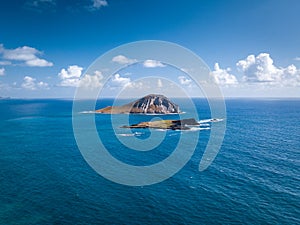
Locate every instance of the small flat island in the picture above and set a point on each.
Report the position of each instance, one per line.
(166, 124)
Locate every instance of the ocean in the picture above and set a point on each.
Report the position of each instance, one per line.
(255, 178)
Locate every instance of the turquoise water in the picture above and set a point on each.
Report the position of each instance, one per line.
(255, 179)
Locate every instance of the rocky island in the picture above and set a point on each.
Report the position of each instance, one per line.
(166, 124)
(150, 104)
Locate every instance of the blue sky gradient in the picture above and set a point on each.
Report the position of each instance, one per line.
(67, 33)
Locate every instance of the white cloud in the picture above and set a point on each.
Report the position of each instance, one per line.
(2, 71)
(159, 83)
(152, 63)
(184, 81)
(92, 81)
(261, 69)
(136, 85)
(97, 4)
(38, 62)
(119, 81)
(31, 84)
(71, 77)
(72, 72)
(121, 59)
(222, 76)
(26, 54)
(42, 84)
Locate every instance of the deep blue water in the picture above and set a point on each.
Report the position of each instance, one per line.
(255, 179)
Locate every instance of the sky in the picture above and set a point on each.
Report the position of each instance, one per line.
(252, 47)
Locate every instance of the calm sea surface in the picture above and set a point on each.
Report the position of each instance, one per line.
(255, 179)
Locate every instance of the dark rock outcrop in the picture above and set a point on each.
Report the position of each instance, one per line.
(166, 124)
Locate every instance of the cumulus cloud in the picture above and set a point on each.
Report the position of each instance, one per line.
(261, 69)
(71, 77)
(38, 62)
(28, 55)
(72, 72)
(152, 63)
(119, 81)
(2, 71)
(30, 83)
(184, 81)
(92, 81)
(223, 76)
(121, 59)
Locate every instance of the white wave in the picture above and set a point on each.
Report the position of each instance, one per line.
(199, 128)
(156, 114)
(88, 112)
(204, 121)
(131, 134)
(216, 120)
(162, 130)
(205, 124)
(205, 128)
(126, 135)
(196, 129)
(213, 120)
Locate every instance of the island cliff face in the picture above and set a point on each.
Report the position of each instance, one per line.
(150, 104)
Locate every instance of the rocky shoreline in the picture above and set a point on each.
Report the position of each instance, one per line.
(166, 124)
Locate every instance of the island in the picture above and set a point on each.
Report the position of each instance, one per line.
(166, 124)
(150, 104)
